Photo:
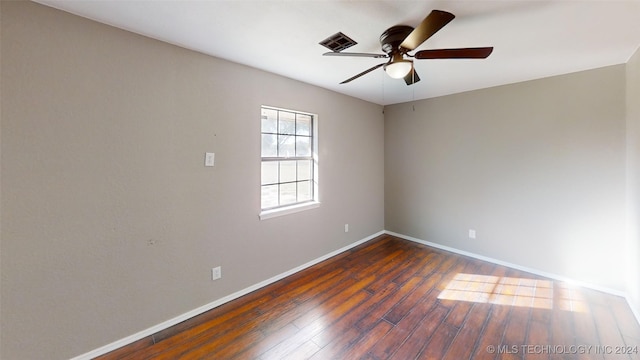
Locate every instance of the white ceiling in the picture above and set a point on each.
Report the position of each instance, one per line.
(531, 39)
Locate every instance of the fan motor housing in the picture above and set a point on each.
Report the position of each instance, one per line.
(393, 37)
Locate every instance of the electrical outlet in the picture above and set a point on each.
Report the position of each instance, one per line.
(472, 234)
(346, 228)
(216, 273)
(209, 159)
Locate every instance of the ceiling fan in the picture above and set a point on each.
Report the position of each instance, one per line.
(398, 40)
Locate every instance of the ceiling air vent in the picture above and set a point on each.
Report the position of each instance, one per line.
(338, 42)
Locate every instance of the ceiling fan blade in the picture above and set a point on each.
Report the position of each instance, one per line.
(362, 73)
(435, 21)
(333, 53)
(412, 77)
(462, 53)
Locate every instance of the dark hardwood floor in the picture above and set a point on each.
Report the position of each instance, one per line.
(394, 299)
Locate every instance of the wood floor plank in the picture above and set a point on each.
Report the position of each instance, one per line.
(517, 322)
(254, 350)
(367, 341)
(419, 338)
(394, 299)
(609, 331)
(416, 266)
(286, 311)
(349, 320)
(464, 343)
(491, 336)
(334, 345)
(585, 329)
(458, 313)
(317, 326)
(377, 313)
(393, 268)
(624, 317)
(436, 261)
(538, 335)
(337, 300)
(401, 309)
(439, 343)
(404, 328)
(304, 351)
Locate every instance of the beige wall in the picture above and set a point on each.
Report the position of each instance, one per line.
(536, 168)
(103, 141)
(633, 178)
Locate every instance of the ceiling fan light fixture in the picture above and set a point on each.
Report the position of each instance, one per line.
(398, 69)
(397, 41)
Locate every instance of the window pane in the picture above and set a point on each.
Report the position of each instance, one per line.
(304, 191)
(303, 125)
(287, 193)
(287, 168)
(269, 121)
(304, 169)
(287, 146)
(287, 123)
(303, 146)
(269, 172)
(269, 196)
(269, 145)
(287, 171)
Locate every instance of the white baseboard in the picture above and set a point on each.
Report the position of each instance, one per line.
(524, 268)
(171, 322)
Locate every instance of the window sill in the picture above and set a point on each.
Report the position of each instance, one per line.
(268, 214)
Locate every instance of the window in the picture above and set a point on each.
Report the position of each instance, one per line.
(289, 160)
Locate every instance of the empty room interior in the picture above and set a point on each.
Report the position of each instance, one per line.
(191, 179)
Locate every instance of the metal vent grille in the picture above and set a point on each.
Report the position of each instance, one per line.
(338, 42)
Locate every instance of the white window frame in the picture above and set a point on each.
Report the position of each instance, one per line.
(315, 200)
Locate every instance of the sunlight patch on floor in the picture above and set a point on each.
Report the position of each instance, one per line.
(512, 291)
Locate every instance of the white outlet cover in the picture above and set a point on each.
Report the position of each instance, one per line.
(216, 273)
(209, 159)
(472, 234)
